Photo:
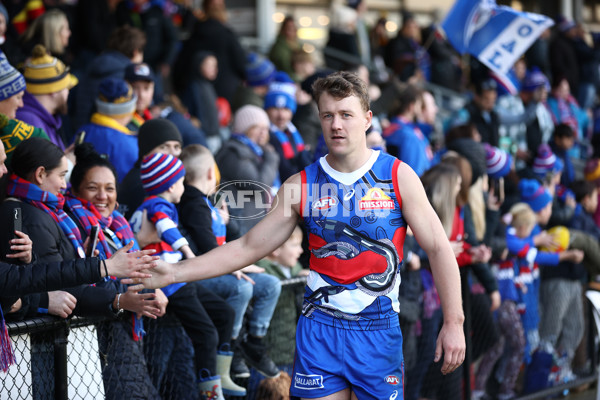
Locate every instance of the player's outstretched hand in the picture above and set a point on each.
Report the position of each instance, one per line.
(162, 274)
(134, 265)
(450, 344)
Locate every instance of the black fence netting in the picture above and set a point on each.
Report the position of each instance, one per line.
(84, 358)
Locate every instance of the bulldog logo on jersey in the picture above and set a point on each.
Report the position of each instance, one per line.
(376, 199)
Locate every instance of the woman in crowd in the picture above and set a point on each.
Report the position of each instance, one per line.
(38, 175)
(92, 202)
(50, 29)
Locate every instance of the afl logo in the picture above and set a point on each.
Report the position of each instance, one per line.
(392, 380)
(325, 203)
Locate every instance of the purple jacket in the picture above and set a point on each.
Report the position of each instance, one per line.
(34, 114)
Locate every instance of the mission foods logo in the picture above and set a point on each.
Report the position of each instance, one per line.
(376, 199)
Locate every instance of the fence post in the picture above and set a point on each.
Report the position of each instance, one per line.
(61, 378)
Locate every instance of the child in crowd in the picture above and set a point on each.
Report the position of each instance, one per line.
(162, 179)
(206, 227)
(586, 195)
(563, 140)
(283, 262)
(195, 306)
(107, 129)
(280, 105)
(548, 169)
(141, 79)
(523, 245)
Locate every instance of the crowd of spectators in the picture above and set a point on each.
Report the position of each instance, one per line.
(118, 112)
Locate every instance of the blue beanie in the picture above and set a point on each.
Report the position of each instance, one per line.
(11, 80)
(116, 97)
(259, 70)
(534, 194)
(282, 93)
(535, 79)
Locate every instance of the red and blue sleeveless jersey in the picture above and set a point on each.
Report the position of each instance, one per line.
(356, 232)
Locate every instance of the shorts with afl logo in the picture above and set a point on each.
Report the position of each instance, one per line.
(330, 359)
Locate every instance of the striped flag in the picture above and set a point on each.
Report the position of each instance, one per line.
(496, 35)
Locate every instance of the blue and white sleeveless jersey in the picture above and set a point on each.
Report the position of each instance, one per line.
(356, 232)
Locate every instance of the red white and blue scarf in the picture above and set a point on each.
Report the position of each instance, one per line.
(115, 226)
(292, 147)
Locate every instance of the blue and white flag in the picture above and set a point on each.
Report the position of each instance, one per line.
(496, 35)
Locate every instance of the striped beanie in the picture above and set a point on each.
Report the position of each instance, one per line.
(259, 70)
(45, 74)
(498, 161)
(11, 80)
(160, 172)
(282, 93)
(546, 162)
(535, 79)
(116, 97)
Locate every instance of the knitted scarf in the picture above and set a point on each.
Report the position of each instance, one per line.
(49, 203)
(88, 215)
(7, 354)
(256, 149)
(290, 148)
(566, 114)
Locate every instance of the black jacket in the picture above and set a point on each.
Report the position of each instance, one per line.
(50, 244)
(489, 131)
(21, 280)
(563, 60)
(195, 217)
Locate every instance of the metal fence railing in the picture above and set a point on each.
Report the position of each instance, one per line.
(59, 359)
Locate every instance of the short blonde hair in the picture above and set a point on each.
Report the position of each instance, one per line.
(522, 216)
(197, 160)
